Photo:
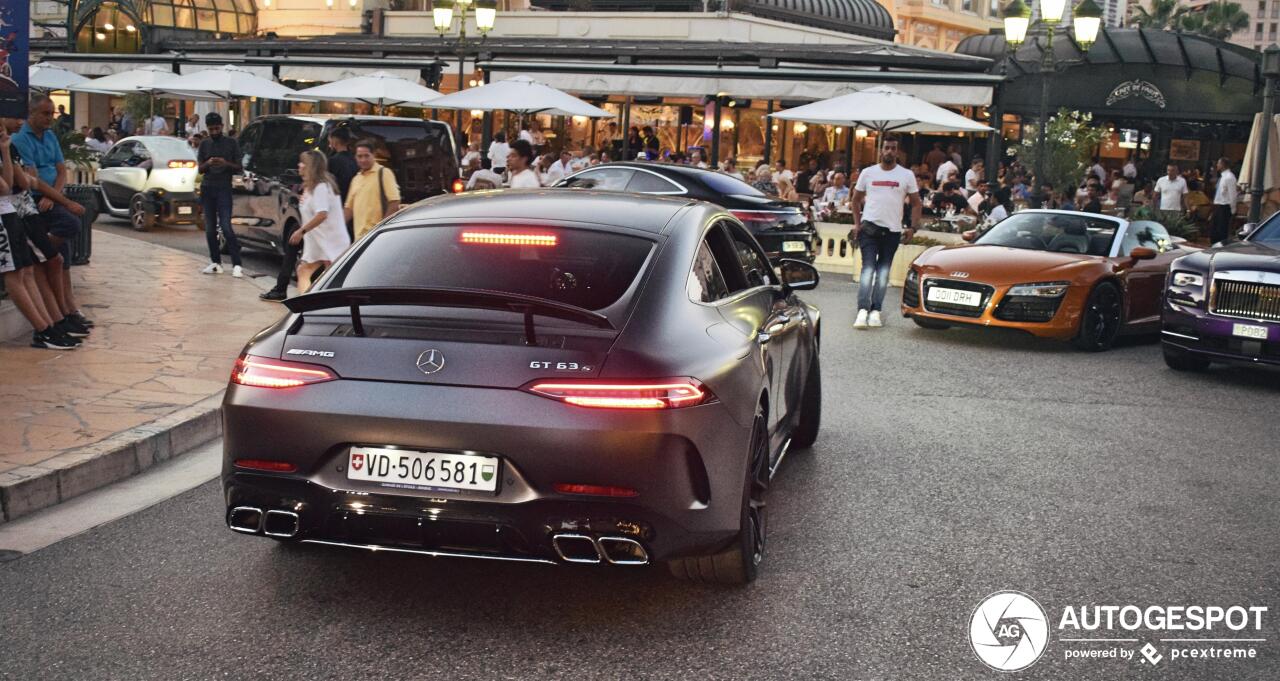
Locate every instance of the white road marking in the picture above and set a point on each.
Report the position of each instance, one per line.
(114, 501)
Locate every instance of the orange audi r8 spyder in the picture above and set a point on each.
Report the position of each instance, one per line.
(1079, 277)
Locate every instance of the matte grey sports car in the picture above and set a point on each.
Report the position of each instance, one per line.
(540, 376)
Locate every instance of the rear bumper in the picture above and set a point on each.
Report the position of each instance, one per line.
(1195, 330)
(178, 209)
(688, 485)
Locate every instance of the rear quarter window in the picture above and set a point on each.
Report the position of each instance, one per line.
(589, 269)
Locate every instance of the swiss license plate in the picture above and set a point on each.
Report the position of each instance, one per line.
(792, 246)
(423, 470)
(955, 297)
(1249, 331)
(184, 210)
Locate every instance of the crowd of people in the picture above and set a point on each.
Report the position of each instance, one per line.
(40, 224)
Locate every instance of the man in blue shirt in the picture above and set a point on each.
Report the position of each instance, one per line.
(41, 151)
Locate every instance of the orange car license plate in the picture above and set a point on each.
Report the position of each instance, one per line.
(955, 296)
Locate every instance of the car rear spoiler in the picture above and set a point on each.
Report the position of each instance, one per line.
(355, 297)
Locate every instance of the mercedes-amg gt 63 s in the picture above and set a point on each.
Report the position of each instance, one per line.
(539, 376)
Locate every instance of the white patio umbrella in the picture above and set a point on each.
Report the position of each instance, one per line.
(148, 80)
(227, 82)
(380, 89)
(1272, 167)
(50, 77)
(520, 95)
(882, 109)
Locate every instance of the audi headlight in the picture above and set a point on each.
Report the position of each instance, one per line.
(1188, 279)
(1050, 289)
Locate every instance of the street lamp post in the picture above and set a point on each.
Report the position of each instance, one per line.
(443, 12)
(1270, 71)
(1086, 18)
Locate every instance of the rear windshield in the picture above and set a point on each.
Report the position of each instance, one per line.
(725, 184)
(394, 140)
(585, 268)
(271, 146)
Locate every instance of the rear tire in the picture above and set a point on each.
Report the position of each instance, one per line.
(1102, 318)
(1182, 360)
(141, 219)
(740, 563)
(930, 324)
(806, 432)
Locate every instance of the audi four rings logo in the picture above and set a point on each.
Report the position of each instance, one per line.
(431, 361)
(1008, 631)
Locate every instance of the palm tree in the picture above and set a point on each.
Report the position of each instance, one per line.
(1222, 19)
(1164, 14)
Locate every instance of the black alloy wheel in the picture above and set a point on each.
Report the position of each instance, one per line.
(1101, 320)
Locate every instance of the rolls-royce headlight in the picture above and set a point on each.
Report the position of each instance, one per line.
(1188, 279)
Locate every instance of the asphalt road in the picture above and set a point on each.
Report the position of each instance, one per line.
(951, 465)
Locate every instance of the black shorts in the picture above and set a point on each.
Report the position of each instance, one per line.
(38, 235)
(15, 254)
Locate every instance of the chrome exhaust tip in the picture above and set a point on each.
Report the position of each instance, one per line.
(576, 548)
(282, 524)
(623, 551)
(246, 519)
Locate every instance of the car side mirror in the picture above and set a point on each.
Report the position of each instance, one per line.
(970, 235)
(1246, 230)
(798, 275)
(1142, 253)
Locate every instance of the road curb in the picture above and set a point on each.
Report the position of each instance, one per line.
(28, 489)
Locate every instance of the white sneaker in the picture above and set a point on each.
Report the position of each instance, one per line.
(213, 268)
(861, 321)
(874, 321)
(237, 272)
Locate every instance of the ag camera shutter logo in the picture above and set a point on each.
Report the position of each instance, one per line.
(1008, 631)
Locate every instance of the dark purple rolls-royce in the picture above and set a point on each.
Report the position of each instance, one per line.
(1224, 303)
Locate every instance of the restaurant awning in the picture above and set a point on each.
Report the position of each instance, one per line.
(946, 89)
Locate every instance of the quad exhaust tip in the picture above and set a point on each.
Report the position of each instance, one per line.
(272, 523)
(282, 524)
(581, 548)
(246, 519)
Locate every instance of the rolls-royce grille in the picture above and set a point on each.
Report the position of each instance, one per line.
(954, 309)
(1244, 299)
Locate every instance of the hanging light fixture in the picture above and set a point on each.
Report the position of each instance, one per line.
(1017, 19)
(1087, 19)
(442, 15)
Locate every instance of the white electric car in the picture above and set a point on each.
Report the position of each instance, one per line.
(150, 180)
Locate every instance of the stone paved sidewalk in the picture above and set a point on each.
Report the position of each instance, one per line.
(144, 386)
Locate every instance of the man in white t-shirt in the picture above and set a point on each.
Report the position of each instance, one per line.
(1098, 171)
(878, 201)
(1130, 169)
(156, 125)
(519, 166)
(558, 169)
(1225, 197)
(1172, 189)
(974, 176)
(498, 151)
(944, 172)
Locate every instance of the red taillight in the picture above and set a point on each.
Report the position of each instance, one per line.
(596, 490)
(458, 186)
(265, 465)
(508, 238)
(685, 392)
(261, 372)
(182, 164)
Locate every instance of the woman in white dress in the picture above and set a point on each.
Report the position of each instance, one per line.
(323, 234)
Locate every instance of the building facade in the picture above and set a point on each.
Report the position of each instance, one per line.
(942, 24)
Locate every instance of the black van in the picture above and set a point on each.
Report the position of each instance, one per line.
(421, 153)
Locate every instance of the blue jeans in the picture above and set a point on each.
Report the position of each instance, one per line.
(877, 259)
(216, 203)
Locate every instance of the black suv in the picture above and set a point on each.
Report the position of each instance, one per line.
(421, 153)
